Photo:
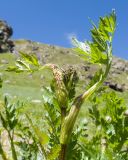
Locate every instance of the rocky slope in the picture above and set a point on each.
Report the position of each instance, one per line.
(118, 77)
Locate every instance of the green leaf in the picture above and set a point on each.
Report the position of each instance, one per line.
(54, 152)
(49, 97)
(42, 136)
(98, 39)
(98, 51)
(13, 123)
(32, 59)
(13, 69)
(22, 65)
(4, 121)
(9, 115)
(27, 63)
(97, 57)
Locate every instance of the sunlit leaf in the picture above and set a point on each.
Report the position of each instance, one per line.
(97, 50)
(30, 58)
(22, 65)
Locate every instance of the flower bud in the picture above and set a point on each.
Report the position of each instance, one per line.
(60, 90)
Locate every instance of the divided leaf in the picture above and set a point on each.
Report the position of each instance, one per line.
(102, 35)
(98, 51)
(9, 116)
(27, 63)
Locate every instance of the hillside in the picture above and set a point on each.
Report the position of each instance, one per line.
(63, 56)
(29, 84)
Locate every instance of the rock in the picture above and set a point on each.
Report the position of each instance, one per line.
(90, 76)
(62, 52)
(34, 48)
(120, 66)
(115, 86)
(5, 33)
(86, 68)
(125, 87)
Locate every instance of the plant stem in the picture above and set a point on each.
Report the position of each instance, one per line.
(70, 119)
(63, 114)
(2, 153)
(12, 146)
(63, 152)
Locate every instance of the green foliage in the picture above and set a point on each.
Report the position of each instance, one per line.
(53, 122)
(23, 143)
(9, 121)
(103, 35)
(109, 122)
(27, 145)
(41, 137)
(99, 49)
(9, 118)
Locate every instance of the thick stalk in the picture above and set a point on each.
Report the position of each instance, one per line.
(70, 119)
